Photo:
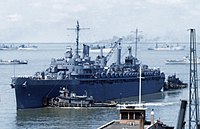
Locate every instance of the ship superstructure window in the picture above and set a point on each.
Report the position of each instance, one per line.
(131, 116)
(124, 115)
(137, 115)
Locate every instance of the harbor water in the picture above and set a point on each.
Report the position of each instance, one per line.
(165, 104)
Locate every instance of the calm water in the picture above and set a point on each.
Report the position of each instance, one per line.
(166, 105)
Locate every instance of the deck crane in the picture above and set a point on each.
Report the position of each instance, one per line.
(113, 49)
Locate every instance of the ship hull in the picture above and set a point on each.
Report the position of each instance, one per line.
(32, 93)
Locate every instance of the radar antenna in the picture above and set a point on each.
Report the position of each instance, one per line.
(77, 29)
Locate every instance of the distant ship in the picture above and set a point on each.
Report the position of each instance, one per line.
(81, 74)
(184, 61)
(21, 47)
(167, 47)
(7, 47)
(97, 49)
(13, 62)
(27, 47)
(96, 46)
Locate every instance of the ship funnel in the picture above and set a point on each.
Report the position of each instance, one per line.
(103, 62)
(103, 59)
(129, 51)
(86, 51)
(101, 52)
(118, 55)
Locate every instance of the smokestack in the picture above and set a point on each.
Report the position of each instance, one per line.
(86, 49)
(103, 59)
(101, 52)
(129, 51)
(118, 55)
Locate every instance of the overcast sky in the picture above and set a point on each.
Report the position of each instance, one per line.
(48, 20)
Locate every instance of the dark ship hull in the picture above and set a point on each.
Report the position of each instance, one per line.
(36, 93)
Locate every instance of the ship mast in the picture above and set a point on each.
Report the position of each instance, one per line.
(77, 37)
(77, 29)
(136, 40)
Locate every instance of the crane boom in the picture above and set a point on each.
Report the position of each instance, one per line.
(112, 49)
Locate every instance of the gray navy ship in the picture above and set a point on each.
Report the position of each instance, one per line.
(82, 75)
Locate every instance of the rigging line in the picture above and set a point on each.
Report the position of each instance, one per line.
(52, 89)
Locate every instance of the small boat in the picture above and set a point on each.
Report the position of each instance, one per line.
(167, 47)
(72, 100)
(67, 99)
(13, 62)
(24, 47)
(174, 83)
(184, 61)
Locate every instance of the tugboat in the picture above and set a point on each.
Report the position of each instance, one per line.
(73, 100)
(174, 83)
(81, 74)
